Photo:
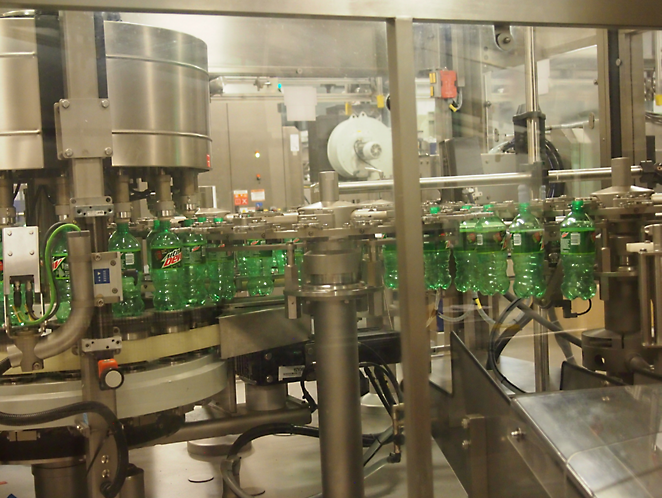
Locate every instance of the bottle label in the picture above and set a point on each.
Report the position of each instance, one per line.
(578, 242)
(468, 240)
(167, 258)
(527, 242)
(60, 266)
(131, 260)
(193, 255)
(491, 241)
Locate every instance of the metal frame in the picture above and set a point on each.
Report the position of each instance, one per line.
(400, 15)
(593, 13)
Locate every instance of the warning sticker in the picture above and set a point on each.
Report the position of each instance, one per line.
(240, 197)
(258, 195)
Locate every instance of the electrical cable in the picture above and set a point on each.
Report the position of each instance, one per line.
(590, 305)
(107, 489)
(391, 376)
(53, 298)
(481, 311)
(383, 383)
(382, 397)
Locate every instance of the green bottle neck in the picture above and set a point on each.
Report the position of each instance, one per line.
(165, 226)
(123, 228)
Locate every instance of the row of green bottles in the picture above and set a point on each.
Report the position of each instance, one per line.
(256, 266)
(165, 258)
(436, 260)
(465, 254)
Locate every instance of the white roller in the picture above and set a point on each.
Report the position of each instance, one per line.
(359, 146)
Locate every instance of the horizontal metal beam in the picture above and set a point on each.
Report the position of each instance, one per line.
(598, 13)
(444, 182)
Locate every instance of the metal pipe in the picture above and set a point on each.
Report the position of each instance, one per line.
(444, 182)
(648, 337)
(336, 341)
(82, 304)
(122, 196)
(531, 89)
(541, 355)
(328, 185)
(235, 424)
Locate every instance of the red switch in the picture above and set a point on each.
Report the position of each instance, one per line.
(448, 81)
(110, 376)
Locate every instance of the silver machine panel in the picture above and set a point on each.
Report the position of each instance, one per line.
(20, 118)
(146, 67)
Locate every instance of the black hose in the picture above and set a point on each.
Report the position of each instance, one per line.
(378, 390)
(391, 376)
(5, 365)
(492, 362)
(108, 489)
(383, 383)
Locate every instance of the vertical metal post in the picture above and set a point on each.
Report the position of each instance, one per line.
(532, 104)
(81, 82)
(337, 350)
(409, 234)
(604, 97)
(541, 354)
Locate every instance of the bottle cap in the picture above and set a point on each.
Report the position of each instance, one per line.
(577, 204)
(188, 223)
(466, 206)
(434, 210)
(202, 219)
(218, 220)
(488, 207)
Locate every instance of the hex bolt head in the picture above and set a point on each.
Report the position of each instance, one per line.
(270, 379)
(100, 303)
(105, 103)
(68, 153)
(105, 474)
(97, 257)
(65, 103)
(105, 459)
(466, 444)
(10, 253)
(115, 291)
(113, 262)
(36, 366)
(108, 151)
(31, 253)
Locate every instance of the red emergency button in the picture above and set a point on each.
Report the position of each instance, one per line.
(110, 376)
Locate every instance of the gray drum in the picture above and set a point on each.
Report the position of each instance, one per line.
(158, 87)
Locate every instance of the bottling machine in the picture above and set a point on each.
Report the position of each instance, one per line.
(106, 122)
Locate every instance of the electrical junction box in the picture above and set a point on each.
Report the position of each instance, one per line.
(107, 277)
(20, 257)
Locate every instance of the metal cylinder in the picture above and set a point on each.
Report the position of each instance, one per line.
(158, 87)
(328, 182)
(657, 279)
(541, 355)
(339, 398)
(621, 172)
(63, 479)
(122, 196)
(531, 85)
(134, 485)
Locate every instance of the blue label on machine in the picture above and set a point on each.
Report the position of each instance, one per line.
(102, 276)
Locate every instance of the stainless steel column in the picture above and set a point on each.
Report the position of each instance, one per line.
(61, 479)
(409, 234)
(532, 105)
(337, 352)
(541, 354)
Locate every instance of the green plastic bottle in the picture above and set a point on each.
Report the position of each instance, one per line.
(60, 266)
(194, 267)
(491, 254)
(166, 269)
(527, 252)
(465, 254)
(257, 267)
(390, 255)
(578, 253)
(132, 271)
(156, 228)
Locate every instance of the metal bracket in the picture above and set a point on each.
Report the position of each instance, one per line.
(21, 256)
(92, 206)
(503, 37)
(95, 345)
(107, 274)
(83, 128)
(476, 447)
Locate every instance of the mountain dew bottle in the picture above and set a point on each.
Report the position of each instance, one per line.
(465, 254)
(491, 254)
(257, 266)
(60, 266)
(194, 267)
(166, 269)
(129, 248)
(578, 253)
(526, 250)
